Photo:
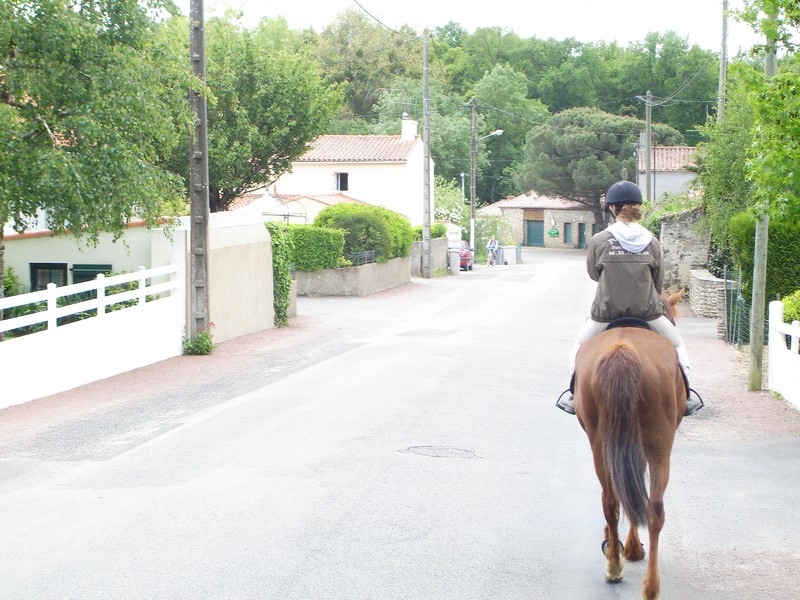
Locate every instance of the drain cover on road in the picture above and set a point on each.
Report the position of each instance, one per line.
(440, 452)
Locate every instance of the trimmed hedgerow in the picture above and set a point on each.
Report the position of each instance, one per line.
(316, 247)
(783, 254)
(369, 228)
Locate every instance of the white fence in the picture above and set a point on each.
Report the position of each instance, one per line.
(149, 328)
(784, 361)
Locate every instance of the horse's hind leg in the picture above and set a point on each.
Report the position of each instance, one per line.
(634, 550)
(612, 544)
(659, 475)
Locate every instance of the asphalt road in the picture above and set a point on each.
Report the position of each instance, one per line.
(400, 446)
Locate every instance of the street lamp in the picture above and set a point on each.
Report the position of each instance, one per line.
(472, 182)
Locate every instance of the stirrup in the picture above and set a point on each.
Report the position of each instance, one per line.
(693, 403)
(566, 402)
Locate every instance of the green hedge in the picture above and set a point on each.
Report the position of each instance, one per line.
(281, 270)
(783, 255)
(438, 230)
(368, 228)
(316, 248)
(791, 307)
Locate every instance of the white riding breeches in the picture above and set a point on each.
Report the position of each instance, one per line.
(662, 325)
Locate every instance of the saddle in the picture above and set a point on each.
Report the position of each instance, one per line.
(640, 324)
(629, 322)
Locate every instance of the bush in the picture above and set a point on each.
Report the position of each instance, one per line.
(368, 228)
(202, 344)
(783, 254)
(11, 285)
(438, 230)
(281, 271)
(791, 307)
(315, 248)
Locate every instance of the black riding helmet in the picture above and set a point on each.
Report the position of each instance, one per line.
(623, 192)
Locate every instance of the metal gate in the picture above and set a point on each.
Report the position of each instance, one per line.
(737, 311)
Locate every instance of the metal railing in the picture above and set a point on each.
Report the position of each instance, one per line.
(737, 311)
(362, 258)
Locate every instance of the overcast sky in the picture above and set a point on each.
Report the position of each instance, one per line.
(623, 21)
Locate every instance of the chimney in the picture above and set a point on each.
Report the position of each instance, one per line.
(409, 130)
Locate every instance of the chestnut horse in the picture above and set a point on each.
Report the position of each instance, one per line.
(630, 398)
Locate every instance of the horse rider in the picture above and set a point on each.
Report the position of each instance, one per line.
(625, 260)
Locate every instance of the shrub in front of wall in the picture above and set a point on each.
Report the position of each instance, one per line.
(315, 248)
(791, 307)
(400, 233)
(438, 230)
(281, 270)
(783, 254)
(364, 229)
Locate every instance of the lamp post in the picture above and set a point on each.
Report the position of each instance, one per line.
(472, 177)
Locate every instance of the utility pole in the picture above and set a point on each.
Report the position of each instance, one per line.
(757, 310)
(473, 151)
(648, 111)
(723, 64)
(198, 178)
(426, 186)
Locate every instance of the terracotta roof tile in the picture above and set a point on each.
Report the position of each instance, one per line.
(668, 158)
(329, 199)
(358, 149)
(533, 200)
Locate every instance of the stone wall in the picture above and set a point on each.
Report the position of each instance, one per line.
(685, 242)
(555, 219)
(438, 257)
(707, 297)
(354, 281)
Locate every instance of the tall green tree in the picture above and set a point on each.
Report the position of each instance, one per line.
(722, 160)
(364, 57)
(684, 80)
(267, 102)
(502, 94)
(580, 152)
(775, 152)
(90, 104)
(449, 123)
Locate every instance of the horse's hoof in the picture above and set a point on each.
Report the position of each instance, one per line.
(604, 547)
(630, 556)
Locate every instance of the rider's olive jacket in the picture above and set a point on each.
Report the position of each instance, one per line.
(629, 283)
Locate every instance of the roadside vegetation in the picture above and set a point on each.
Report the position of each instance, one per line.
(94, 121)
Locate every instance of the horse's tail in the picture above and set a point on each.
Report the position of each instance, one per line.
(620, 384)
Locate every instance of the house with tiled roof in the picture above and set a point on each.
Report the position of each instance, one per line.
(671, 170)
(543, 221)
(382, 170)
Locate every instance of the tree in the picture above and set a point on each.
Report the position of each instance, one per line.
(722, 160)
(581, 152)
(267, 102)
(90, 104)
(684, 80)
(364, 57)
(502, 93)
(449, 123)
(451, 205)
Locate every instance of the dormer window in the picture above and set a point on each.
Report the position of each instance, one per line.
(341, 182)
